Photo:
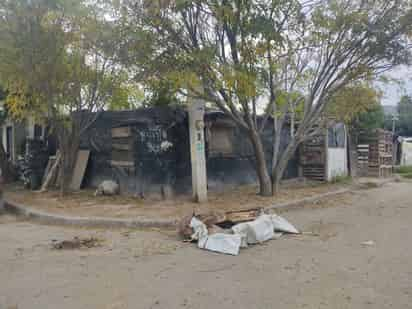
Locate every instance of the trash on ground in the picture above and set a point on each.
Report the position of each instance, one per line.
(77, 243)
(282, 225)
(219, 242)
(368, 243)
(108, 187)
(210, 219)
(257, 231)
(243, 215)
(199, 228)
(222, 243)
(214, 238)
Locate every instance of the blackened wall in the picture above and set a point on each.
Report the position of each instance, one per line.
(159, 154)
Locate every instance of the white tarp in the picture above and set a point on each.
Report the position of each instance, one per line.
(223, 243)
(280, 224)
(219, 242)
(199, 229)
(242, 229)
(258, 231)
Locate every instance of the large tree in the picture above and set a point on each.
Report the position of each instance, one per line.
(262, 60)
(58, 63)
(404, 126)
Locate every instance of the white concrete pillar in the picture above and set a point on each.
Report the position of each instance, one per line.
(197, 150)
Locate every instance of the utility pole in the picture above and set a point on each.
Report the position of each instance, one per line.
(394, 119)
(197, 150)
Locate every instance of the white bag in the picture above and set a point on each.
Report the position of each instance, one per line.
(242, 229)
(280, 224)
(260, 230)
(222, 243)
(257, 231)
(199, 228)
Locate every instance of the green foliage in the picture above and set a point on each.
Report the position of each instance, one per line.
(369, 120)
(354, 100)
(407, 169)
(342, 180)
(57, 57)
(161, 93)
(404, 125)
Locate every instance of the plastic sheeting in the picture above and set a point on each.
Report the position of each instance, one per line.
(258, 231)
(280, 224)
(219, 242)
(223, 243)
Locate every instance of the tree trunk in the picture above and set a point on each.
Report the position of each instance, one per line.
(69, 145)
(265, 183)
(279, 170)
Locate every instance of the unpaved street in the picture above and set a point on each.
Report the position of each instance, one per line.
(149, 269)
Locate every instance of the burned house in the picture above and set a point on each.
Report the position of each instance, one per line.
(147, 150)
(27, 145)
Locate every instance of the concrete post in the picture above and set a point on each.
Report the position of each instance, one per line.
(197, 150)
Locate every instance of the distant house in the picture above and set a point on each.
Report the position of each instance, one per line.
(14, 135)
(325, 156)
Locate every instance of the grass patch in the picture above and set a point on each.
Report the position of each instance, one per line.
(407, 175)
(407, 169)
(342, 180)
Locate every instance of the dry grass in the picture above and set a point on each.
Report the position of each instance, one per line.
(84, 203)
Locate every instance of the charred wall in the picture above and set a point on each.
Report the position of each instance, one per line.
(147, 149)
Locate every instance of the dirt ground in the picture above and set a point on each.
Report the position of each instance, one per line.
(84, 203)
(152, 269)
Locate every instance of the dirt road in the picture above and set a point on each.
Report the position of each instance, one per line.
(135, 269)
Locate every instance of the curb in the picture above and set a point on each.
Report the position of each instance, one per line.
(100, 222)
(286, 206)
(95, 222)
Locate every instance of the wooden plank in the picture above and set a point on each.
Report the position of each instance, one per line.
(121, 132)
(79, 169)
(239, 216)
(50, 163)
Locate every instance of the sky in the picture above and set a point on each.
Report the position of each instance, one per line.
(393, 91)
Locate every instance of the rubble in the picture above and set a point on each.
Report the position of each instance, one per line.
(223, 243)
(219, 242)
(76, 243)
(241, 235)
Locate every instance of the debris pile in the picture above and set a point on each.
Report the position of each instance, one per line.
(77, 243)
(234, 230)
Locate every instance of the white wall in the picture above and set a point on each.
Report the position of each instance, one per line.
(337, 160)
(337, 163)
(406, 158)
